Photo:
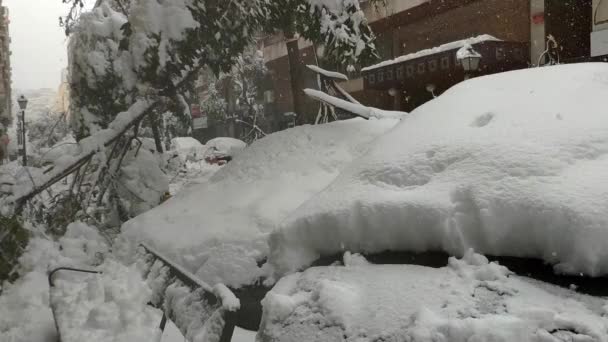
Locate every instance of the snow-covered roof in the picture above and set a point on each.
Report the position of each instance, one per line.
(512, 164)
(442, 48)
(330, 74)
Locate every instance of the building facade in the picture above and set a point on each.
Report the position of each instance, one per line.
(6, 115)
(417, 41)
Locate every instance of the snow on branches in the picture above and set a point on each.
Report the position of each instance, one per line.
(127, 59)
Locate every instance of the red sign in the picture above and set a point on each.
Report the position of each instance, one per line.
(195, 111)
(538, 18)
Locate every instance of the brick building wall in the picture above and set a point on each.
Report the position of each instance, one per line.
(417, 25)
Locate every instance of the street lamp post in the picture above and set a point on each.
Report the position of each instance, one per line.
(21, 138)
(469, 58)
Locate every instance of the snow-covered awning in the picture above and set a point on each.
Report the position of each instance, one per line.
(427, 52)
(441, 67)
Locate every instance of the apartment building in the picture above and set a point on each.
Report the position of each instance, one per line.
(6, 116)
(418, 40)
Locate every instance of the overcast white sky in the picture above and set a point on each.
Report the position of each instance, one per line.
(38, 43)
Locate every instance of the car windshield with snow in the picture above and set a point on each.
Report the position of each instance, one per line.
(306, 170)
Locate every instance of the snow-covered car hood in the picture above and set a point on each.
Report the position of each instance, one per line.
(468, 300)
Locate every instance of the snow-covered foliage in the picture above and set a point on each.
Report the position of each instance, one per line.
(469, 300)
(101, 74)
(217, 229)
(511, 164)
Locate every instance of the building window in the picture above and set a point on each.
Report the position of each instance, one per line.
(445, 62)
(380, 76)
(410, 71)
(269, 96)
(421, 68)
(371, 78)
(519, 54)
(500, 53)
(390, 75)
(433, 65)
(400, 73)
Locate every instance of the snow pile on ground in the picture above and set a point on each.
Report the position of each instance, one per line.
(217, 230)
(469, 300)
(108, 307)
(185, 164)
(188, 148)
(512, 164)
(105, 307)
(25, 315)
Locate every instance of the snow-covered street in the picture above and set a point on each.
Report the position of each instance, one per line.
(303, 170)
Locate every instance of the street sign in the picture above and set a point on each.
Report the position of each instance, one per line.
(199, 119)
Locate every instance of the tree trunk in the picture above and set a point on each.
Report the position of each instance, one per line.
(156, 133)
(295, 73)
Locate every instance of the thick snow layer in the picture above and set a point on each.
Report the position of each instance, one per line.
(226, 145)
(106, 307)
(355, 108)
(218, 229)
(512, 164)
(182, 143)
(25, 315)
(469, 300)
(442, 48)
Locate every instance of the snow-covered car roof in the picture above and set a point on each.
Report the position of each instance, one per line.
(512, 164)
(218, 229)
(181, 143)
(468, 300)
(225, 145)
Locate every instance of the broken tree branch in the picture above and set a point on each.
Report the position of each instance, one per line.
(138, 111)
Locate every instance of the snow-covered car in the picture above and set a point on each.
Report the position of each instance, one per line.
(222, 150)
(505, 165)
(470, 299)
(187, 149)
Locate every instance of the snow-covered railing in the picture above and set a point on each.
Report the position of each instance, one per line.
(201, 312)
(59, 325)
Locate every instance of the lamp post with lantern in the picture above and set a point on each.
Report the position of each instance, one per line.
(469, 58)
(22, 101)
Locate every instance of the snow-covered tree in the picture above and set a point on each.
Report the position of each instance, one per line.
(337, 25)
(125, 64)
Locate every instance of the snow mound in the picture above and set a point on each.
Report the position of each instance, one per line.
(182, 143)
(512, 164)
(226, 146)
(469, 300)
(105, 307)
(218, 229)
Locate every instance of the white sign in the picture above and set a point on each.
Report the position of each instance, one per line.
(199, 119)
(599, 43)
(199, 123)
